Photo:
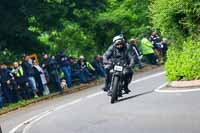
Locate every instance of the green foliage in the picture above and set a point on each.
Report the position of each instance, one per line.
(73, 40)
(178, 20)
(184, 63)
(34, 26)
(78, 27)
(127, 16)
(7, 56)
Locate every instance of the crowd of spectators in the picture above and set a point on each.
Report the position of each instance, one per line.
(154, 49)
(151, 50)
(28, 78)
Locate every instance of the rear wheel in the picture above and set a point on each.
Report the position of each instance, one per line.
(115, 86)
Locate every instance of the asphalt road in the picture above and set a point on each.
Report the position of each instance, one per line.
(90, 111)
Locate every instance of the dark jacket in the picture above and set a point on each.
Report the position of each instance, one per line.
(96, 64)
(5, 76)
(155, 40)
(136, 52)
(63, 62)
(75, 67)
(19, 75)
(27, 68)
(50, 65)
(124, 54)
(1, 91)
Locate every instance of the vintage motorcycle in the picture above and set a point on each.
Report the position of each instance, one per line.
(119, 75)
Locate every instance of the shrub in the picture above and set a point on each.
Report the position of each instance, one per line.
(184, 64)
(179, 20)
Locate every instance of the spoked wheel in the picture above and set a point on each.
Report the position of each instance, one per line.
(115, 86)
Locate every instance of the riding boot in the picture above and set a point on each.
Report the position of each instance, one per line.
(120, 93)
(126, 89)
(107, 85)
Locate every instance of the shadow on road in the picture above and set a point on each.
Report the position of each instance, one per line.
(134, 96)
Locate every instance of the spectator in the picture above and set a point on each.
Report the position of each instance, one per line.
(98, 65)
(65, 67)
(76, 71)
(21, 81)
(155, 39)
(1, 95)
(29, 74)
(50, 65)
(40, 78)
(6, 83)
(27, 79)
(147, 51)
(136, 52)
(164, 49)
(90, 68)
(84, 68)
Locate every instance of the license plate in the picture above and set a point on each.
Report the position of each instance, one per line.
(118, 68)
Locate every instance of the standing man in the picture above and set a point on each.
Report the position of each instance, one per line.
(29, 74)
(51, 66)
(155, 39)
(21, 80)
(164, 49)
(64, 63)
(40, 78)
(6, 83)
(147, 51)
(136, 52)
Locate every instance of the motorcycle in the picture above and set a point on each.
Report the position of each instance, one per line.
(118, 80)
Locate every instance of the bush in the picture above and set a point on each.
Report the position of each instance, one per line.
(177, 18)
(184, 64)
(127, 16)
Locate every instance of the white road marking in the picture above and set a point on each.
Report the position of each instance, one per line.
(95, 94)
(34, 121)
(75, 101)
(176, 91)
(36, 118)
(160, 87)
(148, 77)
(135, 81)
(68, 104)
(27, 121)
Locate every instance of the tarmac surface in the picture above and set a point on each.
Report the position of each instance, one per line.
(89, 111)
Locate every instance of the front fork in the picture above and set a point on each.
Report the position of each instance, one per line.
(120, 85)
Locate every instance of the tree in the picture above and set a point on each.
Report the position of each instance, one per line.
(180, 21)
(122, 16)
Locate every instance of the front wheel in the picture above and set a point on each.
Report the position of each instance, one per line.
(115, 86)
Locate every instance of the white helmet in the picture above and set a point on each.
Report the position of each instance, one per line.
(116, 38)
(81, 57)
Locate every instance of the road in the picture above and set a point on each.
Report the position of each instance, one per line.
(90, 111)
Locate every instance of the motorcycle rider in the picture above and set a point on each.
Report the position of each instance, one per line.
(119, 50)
